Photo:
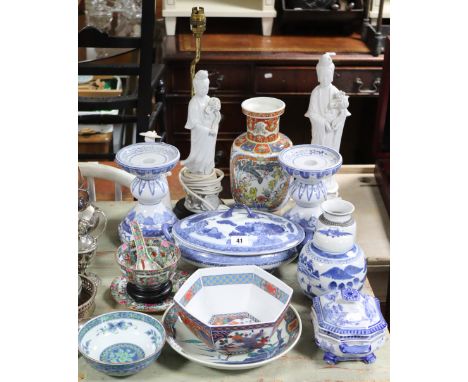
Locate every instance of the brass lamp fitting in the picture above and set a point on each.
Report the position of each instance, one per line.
(197, 26)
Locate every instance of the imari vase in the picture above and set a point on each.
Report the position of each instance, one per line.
(257, 179)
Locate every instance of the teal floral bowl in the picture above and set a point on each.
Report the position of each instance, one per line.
(121, 343)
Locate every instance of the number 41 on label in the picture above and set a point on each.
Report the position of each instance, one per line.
(241, 240)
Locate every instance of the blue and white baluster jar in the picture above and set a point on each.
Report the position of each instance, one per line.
(332, 260)
(310, 165)
(149, 162)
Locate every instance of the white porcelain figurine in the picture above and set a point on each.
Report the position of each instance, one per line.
(150, 136)
(328, 107)
(203, 121)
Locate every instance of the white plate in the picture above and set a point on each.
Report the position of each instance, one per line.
(184, 342)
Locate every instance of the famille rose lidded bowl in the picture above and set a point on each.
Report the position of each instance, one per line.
(233, 309)
(256, 176)
(238, 233)
(153, 284)
(348, 325)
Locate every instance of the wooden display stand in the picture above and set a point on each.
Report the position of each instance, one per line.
(264, 9)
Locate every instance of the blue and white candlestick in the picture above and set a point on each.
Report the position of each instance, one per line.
(148, 162)
(310, 165)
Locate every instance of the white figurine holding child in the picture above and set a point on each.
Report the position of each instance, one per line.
(203, 121)
(200, 179)
(328, 107)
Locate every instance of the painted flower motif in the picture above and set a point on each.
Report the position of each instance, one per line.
(188, 295)
(270, 288)
(122, 356)
(114, 327)
(261, 199)
(350, 294)
(292, 326)
(187, 321)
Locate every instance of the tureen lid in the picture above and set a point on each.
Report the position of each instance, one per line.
(238, 231)
(347, 312)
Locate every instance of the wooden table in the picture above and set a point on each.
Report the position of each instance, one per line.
(357, 185)
(304, 362)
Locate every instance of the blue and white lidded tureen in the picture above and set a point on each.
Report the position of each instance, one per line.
(238, 236)
(348, 326)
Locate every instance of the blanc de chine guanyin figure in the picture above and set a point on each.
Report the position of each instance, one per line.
(328, 107)
(203, 121)
(200, 179)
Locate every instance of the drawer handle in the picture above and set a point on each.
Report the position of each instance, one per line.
(375, 86)
(217, 78)
(218, 157)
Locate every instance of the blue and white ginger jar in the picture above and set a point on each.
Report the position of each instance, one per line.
(335, 227)
(319, 272)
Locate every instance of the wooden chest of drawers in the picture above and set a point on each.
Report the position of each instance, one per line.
(236, 76)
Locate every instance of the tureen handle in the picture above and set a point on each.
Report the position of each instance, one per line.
(355, 349)
(167, 233)
(228, 213)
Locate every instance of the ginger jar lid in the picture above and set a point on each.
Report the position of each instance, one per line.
(238, 231)
(348, 313)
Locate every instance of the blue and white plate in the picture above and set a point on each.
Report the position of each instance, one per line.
(238, 231)
(181, 339)
(147, 160)
(310, 161)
